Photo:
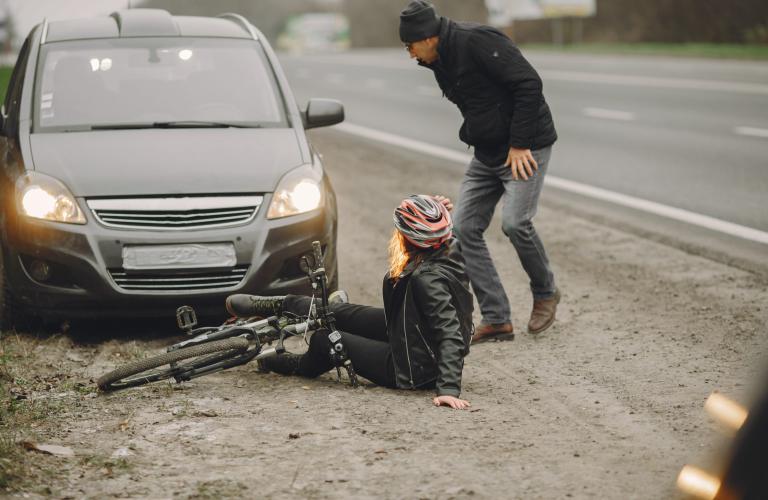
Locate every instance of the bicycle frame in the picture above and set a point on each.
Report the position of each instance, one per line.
(266, 331)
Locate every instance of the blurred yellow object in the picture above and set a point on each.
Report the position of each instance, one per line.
(725, 411)
(697, 483)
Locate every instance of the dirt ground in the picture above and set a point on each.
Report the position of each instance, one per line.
(605, 404)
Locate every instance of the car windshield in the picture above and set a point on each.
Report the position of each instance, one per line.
(155, 82)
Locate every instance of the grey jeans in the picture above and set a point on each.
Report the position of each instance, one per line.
(481, 190)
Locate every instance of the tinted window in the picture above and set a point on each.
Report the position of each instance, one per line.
(145, 80)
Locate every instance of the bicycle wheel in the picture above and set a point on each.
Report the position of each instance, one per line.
(153, 369)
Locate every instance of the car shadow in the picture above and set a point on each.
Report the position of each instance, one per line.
(100, 330)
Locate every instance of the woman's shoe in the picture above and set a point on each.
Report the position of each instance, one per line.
(245, 306)
(339, 297)
(286, 363)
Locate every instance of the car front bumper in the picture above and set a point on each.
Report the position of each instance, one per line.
(83, 261)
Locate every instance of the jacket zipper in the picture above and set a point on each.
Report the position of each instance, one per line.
(431, 353)
(405, 335)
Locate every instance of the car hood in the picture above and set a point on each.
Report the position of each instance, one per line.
(163, 162)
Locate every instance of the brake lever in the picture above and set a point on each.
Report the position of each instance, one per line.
(274, 322)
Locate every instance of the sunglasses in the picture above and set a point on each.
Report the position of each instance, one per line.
(408, 46)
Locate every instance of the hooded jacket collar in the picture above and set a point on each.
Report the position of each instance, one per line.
(446, 26)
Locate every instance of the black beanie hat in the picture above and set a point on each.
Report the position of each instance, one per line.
(418, 21)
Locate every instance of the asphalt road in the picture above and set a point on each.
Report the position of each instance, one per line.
(690, 134)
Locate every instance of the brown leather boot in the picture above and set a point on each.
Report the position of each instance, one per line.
(543, 314)
(497, 331)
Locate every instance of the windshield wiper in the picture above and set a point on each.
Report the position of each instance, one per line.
(174, 124)
(202, 124)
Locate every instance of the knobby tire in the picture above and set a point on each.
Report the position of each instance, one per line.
(146, 370)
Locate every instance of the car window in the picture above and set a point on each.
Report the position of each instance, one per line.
(135, 81)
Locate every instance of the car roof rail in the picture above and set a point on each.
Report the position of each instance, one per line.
(45, 31)
(241, 21)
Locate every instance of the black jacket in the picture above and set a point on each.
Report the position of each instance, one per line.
(497, 91)
(429, 322)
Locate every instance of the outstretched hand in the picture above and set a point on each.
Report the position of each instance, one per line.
(522, 163)
(447, 203)
(455, 403)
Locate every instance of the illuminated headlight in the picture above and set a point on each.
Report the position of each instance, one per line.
(44, 197)
(299, 191)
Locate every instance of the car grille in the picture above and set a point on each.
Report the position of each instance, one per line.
(179, 280)
(175, 213)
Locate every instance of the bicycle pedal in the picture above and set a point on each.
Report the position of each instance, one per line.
(186, 318)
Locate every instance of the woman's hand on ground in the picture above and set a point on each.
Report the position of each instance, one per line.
(455, 403)
(522, 163)
(447, 203)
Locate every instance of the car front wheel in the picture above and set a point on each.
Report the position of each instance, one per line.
(6, 299)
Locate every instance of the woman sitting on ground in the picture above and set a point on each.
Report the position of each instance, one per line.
(420, 337)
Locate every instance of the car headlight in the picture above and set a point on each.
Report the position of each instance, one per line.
(43, 197)
(299, 191)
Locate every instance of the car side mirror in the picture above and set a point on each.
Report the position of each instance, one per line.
(322, 113)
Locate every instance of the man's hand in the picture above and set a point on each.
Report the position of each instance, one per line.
(522, 163)
(444, 200)
(455, 403)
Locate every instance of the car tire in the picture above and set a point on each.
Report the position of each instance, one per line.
(7, 306)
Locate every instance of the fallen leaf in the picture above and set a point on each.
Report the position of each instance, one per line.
(305, 387)
(205, 413)
(48, 449)
(294, 435)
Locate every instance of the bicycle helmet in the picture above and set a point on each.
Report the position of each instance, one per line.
(423, 221)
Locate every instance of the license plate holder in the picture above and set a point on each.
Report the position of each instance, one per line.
(180, 256)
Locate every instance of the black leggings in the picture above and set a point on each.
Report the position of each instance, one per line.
(364, 334)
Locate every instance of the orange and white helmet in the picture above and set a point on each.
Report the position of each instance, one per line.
(423, 221)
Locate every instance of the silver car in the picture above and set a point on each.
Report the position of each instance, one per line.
(151, 161)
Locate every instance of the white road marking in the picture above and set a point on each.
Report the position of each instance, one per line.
(651, 81)
(375, 60)
(752, 131)
(429, 91)
(609, 114)
(693, 218)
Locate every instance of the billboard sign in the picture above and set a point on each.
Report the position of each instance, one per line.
(503, 12)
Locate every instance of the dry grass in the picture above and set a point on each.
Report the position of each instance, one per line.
(21, 413)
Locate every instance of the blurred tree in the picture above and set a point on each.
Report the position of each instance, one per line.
(669, 21)
(269, 16)
(374, 23)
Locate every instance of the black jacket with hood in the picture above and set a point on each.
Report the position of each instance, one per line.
(497, 91)
(429, 321)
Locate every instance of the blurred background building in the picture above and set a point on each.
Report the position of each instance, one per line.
(337, 24)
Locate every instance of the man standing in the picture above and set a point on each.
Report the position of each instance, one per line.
(509, 124)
